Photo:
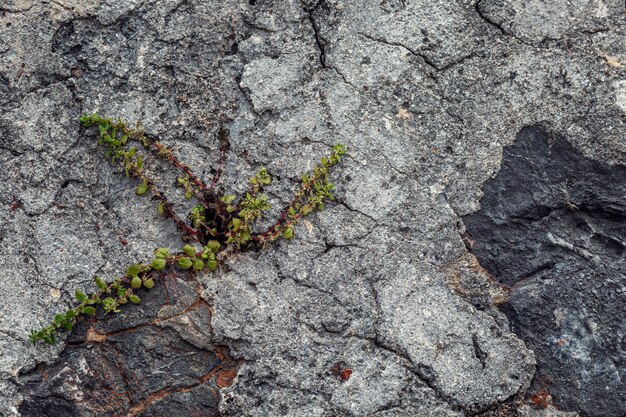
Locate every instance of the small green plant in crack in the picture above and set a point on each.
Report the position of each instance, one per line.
(217, 227)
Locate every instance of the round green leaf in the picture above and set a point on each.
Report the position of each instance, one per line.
(213, 245)
(162, 253)
(90, 310)
(134, 299)
(189, 250)
(149, 283)
(185, 262)
(198, 265)
(133, 270)
(158, 264)
(135, 282)
(141, 189)
(100, 283)
(80, 296)
(212, 265)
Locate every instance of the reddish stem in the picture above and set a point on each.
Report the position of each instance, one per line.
(296, 198)
(167, 206)
(220, 168)
(170, 157)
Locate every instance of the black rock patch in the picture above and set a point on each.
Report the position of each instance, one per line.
(552, 227)
(153, 360)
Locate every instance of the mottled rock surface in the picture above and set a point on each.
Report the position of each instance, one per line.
(558, 241)
(425, 95)
(156, 360)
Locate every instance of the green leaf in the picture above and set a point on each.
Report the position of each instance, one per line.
(139, 162)
(100, 283)
(134, 270)
(185, 262)
(134, 299)
(198, 265)
(135, 282)
(244, 235)
(90, 311)
(213, 245)
(236, 224)
(149, 283)
(80, 296)
(188, 194)
(141, 189)
(160, 209)
(85, 120)
(158, 264)
(70, 314)
(189, 250)
(211, 264)
(263, 177)
(227, 199)
(339, 149)
(162, 253)
(121, 291)
(288, 233)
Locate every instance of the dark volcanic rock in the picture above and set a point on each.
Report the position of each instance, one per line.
(142, 363)
(552, 226)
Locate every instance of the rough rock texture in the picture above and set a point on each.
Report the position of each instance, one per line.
(424, 93)
(559, 242)
(156, 360)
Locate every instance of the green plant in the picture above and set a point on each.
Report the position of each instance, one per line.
(219, 225)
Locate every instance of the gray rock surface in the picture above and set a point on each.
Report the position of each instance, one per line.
(424, 94)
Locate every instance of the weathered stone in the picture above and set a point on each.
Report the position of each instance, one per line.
(425, 94)
(552, 227)
(134, 364)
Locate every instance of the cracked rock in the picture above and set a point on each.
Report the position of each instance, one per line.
(139, 364)
(558, 242)
(375, 308)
